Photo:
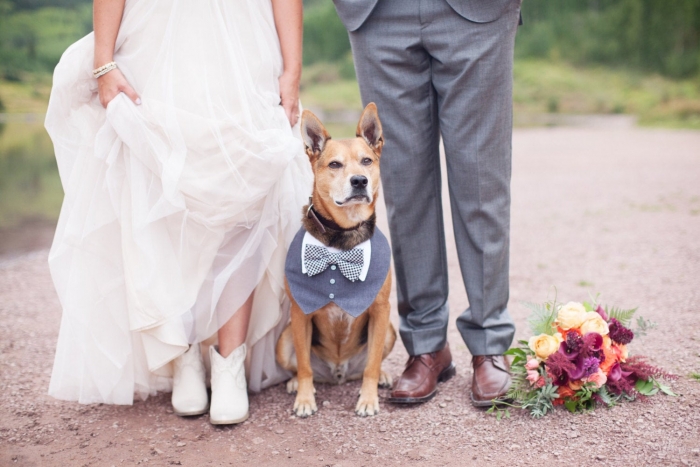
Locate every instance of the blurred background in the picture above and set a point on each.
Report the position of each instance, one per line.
(578, 62)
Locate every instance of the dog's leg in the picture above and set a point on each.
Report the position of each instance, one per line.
(378, 326)
(287, 358)
(305, 403)
(385, 380)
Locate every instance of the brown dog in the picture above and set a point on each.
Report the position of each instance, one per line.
(329, 344)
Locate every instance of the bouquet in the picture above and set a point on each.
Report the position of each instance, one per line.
(578, 358)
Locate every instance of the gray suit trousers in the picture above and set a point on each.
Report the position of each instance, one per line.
(432, 72)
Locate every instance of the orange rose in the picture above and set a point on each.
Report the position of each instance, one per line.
(576, 385)
(610, 356)
(620, 351)
(565, 393)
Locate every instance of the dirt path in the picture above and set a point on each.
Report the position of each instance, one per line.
(616, 212)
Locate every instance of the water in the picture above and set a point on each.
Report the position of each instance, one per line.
(30, 189)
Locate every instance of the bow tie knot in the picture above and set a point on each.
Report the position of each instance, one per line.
(318, 258)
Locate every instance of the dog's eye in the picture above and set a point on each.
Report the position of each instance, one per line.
(366, 161)
(335, 165)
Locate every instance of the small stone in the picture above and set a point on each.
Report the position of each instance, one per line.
(573, 434)
(181, 444)
(600, 457)
(158, 451)
(279, 431)
(274, 453)
(326, 403)
(382, 429)
(442, 405)
(514, 446)
(258, 440)
(301, 450)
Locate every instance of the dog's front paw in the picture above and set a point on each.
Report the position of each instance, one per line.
(292, 385)
(305, 406)
(367, 406)
(385, 380)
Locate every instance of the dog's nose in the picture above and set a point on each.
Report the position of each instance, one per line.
(358, 181)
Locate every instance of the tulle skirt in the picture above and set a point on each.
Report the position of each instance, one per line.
(176, 210)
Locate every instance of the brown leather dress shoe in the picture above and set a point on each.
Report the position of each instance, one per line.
(418, 383)
(491, 379)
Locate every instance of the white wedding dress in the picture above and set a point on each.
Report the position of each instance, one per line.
(177, 209)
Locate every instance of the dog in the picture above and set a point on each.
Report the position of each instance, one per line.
(333, 339)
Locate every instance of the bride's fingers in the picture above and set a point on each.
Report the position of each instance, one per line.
(292, 111)
(131, 94)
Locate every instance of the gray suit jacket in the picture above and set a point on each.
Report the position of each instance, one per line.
(353, 13)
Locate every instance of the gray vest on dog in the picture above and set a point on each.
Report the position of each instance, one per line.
(313, 293)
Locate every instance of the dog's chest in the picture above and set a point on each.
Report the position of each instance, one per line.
(339, 322)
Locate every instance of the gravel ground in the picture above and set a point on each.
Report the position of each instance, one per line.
(594, 210)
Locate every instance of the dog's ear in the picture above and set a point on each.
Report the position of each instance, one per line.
(370, 128)
(314, 135)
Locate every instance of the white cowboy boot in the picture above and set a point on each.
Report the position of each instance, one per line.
(189, 389)
(229, 393)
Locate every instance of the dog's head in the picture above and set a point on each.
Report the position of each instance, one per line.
(346, 171)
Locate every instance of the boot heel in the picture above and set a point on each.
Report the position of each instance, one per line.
(447, 373)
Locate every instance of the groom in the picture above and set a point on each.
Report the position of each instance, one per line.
(444, 68)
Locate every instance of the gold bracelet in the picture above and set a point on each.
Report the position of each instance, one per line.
(104, 69)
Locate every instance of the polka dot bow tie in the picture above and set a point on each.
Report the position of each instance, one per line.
(318, 258)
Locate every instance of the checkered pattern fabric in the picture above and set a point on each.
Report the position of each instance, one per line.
(317, 259)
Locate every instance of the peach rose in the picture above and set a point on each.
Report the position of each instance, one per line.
(544, 345)
(594, 323)
(570, 316)
(598, 378)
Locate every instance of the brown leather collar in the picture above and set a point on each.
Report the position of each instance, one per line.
(330, 233)
(323, 224)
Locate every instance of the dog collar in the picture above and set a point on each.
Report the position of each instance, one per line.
(324, 224)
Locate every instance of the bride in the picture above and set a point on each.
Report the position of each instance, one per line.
(184, 180)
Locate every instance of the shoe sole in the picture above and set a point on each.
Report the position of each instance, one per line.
(489, 403)
(229, 422)
(445, 375)
(193, 413)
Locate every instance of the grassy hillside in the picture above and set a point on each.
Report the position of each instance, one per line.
(552, 87)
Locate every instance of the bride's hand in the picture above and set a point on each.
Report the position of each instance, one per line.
(289, 93)
(111, 84)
